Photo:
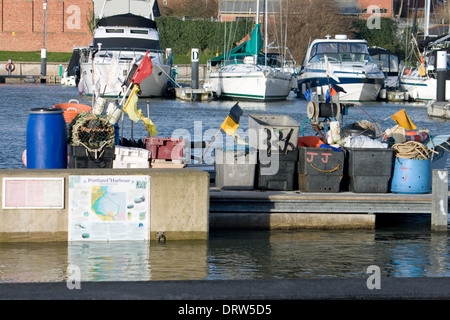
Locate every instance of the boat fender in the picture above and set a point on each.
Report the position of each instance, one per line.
(10, 66)
(422, 70)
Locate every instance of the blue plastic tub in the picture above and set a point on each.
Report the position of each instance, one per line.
(411, 176)
(46, 139)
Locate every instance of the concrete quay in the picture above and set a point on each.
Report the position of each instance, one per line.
(179, 204)
(184, 205)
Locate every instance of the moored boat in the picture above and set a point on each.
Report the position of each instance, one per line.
(246, 72)
(120, 41)
(421, 82)
(342, 61)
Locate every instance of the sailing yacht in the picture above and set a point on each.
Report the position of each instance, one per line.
(246, 72)
(120, 41)
(342, 61)
(420, 80)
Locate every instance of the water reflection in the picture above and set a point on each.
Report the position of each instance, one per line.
(235, 255)
(399, 252)
(33, 262)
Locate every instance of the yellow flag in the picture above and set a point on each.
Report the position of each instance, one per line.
(229, 126)
(403, 120)
(151, 128)
(131, 105)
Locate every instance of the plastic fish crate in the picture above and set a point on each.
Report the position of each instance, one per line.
(122, 151)
(369, 170)
(320, 169)
(80, 158)
(165, 148)
(279, 133)
(284, 179)
(117, 164)
(319, 183)
(235, 169)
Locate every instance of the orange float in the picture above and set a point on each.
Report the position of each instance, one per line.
(72, 109)
(416, 136)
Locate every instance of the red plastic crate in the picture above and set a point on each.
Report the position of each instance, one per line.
(165, 148)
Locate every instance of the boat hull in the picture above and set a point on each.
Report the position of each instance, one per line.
(154, 85)
(356, 88)
(251, 83)
(422, 88)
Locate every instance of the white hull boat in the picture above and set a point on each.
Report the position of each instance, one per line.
(421, 88)
(246, 72)
(121, 41)
(343, 62)
(251, 82)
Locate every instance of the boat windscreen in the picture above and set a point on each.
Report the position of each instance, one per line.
(344, 51)
(127, 44)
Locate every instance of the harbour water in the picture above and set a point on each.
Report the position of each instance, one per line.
(401, 247)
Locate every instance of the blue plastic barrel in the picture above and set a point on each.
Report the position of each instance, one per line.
(46, 139)
(411, 176)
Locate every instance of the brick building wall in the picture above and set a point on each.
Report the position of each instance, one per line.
(21, 24)
(367, 7)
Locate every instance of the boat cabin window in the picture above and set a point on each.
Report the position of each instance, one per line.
(139, 31)
(388, 62)
(340, 51)
(114, 31)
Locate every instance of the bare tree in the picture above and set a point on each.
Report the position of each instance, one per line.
(193, 9)
(302, 21)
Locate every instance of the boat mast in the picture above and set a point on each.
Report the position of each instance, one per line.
(427, 18)
(265, 31)
(257, 25)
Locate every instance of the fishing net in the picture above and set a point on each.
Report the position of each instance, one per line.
(91, 131)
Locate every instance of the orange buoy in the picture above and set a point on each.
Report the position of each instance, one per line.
(72, 109)
(416, 136)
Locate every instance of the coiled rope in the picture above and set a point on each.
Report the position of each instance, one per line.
(412, 150)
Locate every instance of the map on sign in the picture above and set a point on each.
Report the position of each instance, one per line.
(108, 204)
(108, 208)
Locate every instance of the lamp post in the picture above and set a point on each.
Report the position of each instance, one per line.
(44, 43)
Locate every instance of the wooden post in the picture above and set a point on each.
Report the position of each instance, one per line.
(439, 210)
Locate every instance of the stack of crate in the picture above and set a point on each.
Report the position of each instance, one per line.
(130, 157)
(166, 152)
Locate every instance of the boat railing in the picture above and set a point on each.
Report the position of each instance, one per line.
(86, 55)
(341, 57)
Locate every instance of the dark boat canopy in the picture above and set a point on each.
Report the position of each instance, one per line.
(126, 20)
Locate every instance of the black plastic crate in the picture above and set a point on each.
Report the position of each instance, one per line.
(369, 170)
(320, 169)
(319, 183)
(277, 171)
(82, 158)
(320, 161)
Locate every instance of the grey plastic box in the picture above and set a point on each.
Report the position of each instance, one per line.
(277, 128)
(235, 169)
